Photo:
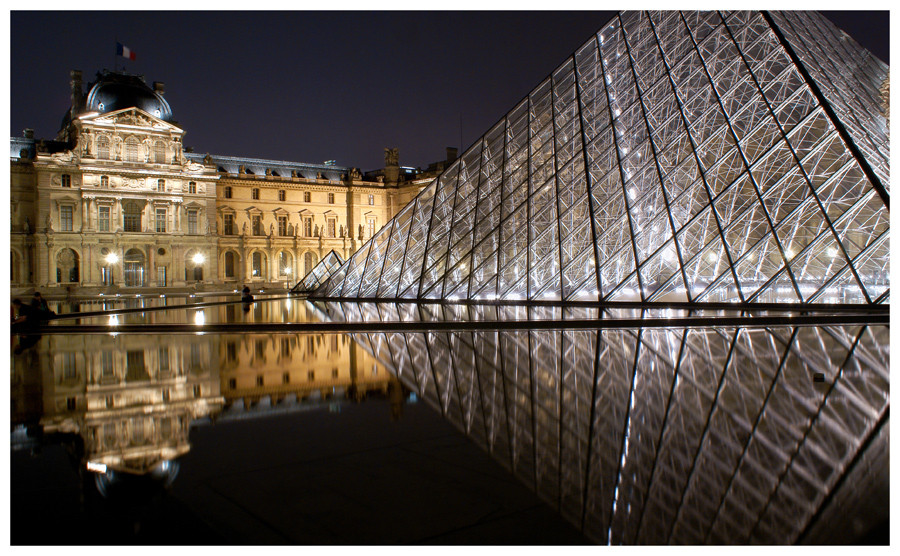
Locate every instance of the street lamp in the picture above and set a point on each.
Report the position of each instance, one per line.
(287, 277)
(111, 259)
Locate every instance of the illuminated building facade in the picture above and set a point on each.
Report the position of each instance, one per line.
(115, 200)
(737, 157)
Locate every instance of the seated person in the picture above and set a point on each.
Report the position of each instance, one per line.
(246, 296)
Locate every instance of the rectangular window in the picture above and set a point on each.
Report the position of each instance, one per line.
(371, 199)
(257, 225)
(160, 185)
(332, 227)
(282, 195)
(229, 224)
(104, 181)
(132, 220)
(307, 197)
(65, 219)
(282, 226)
(192, 221)
(331, 198)
(227, 192)
(103, 220)
(307, 227)
(370, 223)
(65, 180)
(160, 220)
(161, 275)
(254, 193)
(192, 187)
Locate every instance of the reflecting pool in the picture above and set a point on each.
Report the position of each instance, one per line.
(481, 423)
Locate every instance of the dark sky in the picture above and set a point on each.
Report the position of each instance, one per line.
(315, 86)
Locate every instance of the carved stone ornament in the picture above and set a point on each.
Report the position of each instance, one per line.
(391, 157)
(192, 166)
(207, 159)
(355, 175)
(65, 157)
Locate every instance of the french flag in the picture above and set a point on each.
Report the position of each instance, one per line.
(124, 51)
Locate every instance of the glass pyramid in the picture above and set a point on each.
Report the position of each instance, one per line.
(658, 434)
(319, 273)
(695, 157)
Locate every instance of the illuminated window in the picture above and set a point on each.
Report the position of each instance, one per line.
(65, 219)
(160, 185)
(282, 195)
(192, 187)
(227, 192)
(285, 262)
(104, 181)
(307, 196)
(228, 228)
(331, 198)
(307, 227)
(331, 229)
(66, 180)
(103, 219)
(254, 193)
(161, 220)
(371, 199)
(370, 224)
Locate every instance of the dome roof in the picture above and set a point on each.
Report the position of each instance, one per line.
(115, 91)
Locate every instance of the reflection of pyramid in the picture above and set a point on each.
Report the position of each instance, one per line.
(624, 176)
(319, 273)
(662, 435)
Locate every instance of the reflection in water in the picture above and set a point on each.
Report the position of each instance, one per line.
(125, 403)
(657, 435)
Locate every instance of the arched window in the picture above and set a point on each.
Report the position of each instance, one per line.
(259, 265)
(229, 264)
(67, 266)
(193, 266)
(131, 149)
(159, 152)
(103, 148)
(309, 261)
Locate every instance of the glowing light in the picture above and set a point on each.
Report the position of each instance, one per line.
(632, 193)
(114, 320)
(96, 467)
(790, 253)
(199, 318)
(112, 258)
(287, 271)
(712, 257)
(198, 258)
(832, 251)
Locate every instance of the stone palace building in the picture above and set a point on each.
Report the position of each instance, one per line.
(115, 200)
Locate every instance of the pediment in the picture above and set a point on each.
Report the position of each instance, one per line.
(280, 210)
(225, 208)
(130, 117)
(253, 210)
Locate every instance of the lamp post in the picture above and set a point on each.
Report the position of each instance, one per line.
(111, 259)
(198, 259)
(287, 278)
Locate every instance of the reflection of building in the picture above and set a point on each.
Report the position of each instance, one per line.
(311, 367)
(117, 200)
(132, 403)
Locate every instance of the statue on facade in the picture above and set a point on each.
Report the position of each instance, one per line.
(316, 231)
(271, 230)
(26, 226)
(319, 176)
(360, 232)
(244, 229)
(207, 160)
(392, 157)
(241, 169)
(342, 231)
(355, 175)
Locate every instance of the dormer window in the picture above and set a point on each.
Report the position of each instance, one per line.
(254, 193)
(65, 180)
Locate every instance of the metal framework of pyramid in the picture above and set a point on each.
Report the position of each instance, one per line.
(319, 273)
(736, 157)
(660, 434)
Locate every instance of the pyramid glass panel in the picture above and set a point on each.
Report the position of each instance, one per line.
(319, 273)
(698, 156)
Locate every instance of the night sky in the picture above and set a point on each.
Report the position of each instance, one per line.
(316, 86)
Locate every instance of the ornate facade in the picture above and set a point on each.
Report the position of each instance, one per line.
(115, 200)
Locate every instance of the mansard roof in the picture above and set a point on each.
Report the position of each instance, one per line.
(277, 168)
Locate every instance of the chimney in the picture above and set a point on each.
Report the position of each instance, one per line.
(28, 133)
(77, 94)
(159, 87)
(451, 154)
